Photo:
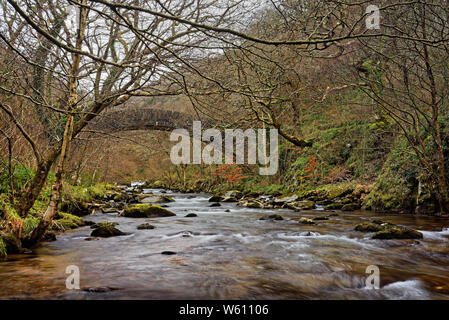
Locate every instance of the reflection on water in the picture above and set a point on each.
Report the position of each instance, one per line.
(233, 255)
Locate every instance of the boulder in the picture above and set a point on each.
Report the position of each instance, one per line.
(251, 203)
(106, 230)
(145, 226)
(369, 227)
(301, 205)
(216, 204)
(149, 199)
(233, 194)
(191, 215)
(216, 198)
(397, 232)
(146, 211)
(285, 199)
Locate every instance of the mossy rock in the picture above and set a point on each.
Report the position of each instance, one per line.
(146, 211)
(67, 221)
(145, 226)
(304, 220)
(106, 232)
(276, 217)
(369, 227)
(334, 206)
(75, 207)
(350, 207)
(397, 232)
(286, 198)
(301, 205)
(320, 218)
(104, 224)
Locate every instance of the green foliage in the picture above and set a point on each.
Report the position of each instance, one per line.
(21, 174)
(3, 252)
(29, 224)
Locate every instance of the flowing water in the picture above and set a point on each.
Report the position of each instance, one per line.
(234, 255)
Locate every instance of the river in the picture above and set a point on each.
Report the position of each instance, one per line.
(234, 255)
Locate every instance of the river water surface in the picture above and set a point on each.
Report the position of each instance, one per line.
(234, 255)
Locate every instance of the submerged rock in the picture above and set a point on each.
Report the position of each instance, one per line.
(191, 215)
(276, 217)
(168, 253)
(320, 218)
(304, 220)
(145, 226)
(146, 211)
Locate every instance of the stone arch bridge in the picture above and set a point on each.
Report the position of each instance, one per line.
(144, 119)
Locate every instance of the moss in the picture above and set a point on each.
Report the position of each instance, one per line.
(146, 211)
(145, 226)
(67, 221)
(29, 224)
(396, 232)
(104, 225)
(368, 227)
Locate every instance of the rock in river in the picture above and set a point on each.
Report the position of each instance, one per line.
(106, 230)
(398, 232)
(386, 230)
(272, 217)
(215, 204)
(149, 199)
(191, 215)
(145, 226)
(304, 220)
(146, 211)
